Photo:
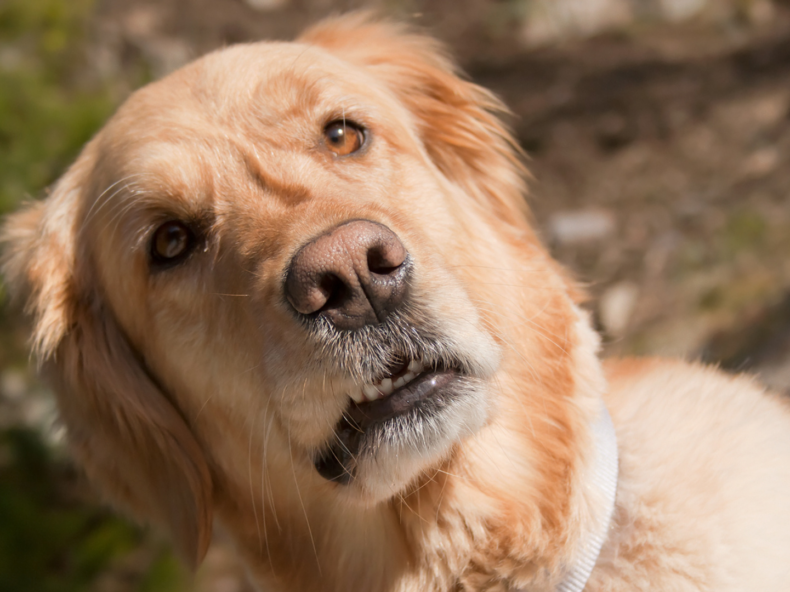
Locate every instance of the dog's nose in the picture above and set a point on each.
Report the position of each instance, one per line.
(355, 274)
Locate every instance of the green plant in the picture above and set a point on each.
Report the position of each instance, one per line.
(49, 107)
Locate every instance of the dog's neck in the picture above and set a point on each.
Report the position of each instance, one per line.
(514, 506)
(603, 480)
(533, 493)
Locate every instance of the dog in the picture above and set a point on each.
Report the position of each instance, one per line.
(294, 288)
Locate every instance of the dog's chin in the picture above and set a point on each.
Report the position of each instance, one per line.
(382, 446)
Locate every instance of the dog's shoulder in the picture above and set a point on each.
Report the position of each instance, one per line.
(673, 400)
(701, 452)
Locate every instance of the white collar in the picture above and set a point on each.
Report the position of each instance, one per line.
(603, 478)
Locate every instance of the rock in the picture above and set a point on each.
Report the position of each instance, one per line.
(617, 306)
(761, 12)
(13, 384)
(266, 5)
(678, 10)
(573, 227)
(143, 21)
(551, 20)
(167, 55)
(760, 163)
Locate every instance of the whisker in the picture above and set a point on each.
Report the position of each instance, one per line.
(118, 216)
(304, 509)
(232, 295)
(264, 479)
(101, 202)
(405, 503)
(252, 491)
(529, 367)
(510, 269)
(202, 407)
(441, 495)
(269, 491)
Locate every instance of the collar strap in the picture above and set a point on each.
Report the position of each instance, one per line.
(604, 479)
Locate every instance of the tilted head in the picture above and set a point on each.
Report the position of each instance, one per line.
(291, 282)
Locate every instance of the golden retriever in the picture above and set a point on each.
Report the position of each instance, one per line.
(293, 287)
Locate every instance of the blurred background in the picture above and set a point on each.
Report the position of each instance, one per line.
(659, 139)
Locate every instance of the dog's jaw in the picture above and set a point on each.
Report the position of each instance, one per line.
(381, 444)
(389, 451)
(512, 494)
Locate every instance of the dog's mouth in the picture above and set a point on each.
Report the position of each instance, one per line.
(386, 386)
(379, 411)
(414, 391)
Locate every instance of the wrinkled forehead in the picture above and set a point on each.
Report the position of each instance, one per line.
(270, 84)
(250, 102)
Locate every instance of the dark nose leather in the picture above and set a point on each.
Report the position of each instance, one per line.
(355, 274)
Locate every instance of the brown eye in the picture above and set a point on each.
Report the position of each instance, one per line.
(171, 242)
(344, 137)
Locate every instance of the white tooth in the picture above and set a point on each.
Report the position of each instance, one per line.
(386, 386)
(371, 392)
(399, 382)
(356, 394)
(416, 366)
(408, 377)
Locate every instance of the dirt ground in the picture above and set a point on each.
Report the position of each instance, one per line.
(661, 178)
(660, 159)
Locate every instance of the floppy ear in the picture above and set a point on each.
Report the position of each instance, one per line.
(129, 437)
(457, 120)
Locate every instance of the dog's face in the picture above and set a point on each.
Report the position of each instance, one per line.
(285, 256)
(275, 240)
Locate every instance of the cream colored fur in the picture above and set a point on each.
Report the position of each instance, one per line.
(194, 393)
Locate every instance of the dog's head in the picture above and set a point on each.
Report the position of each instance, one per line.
(309, 258)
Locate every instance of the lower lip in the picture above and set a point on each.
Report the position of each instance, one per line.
(338, 462)
(402, 400)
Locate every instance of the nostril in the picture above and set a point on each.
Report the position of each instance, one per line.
(334, 290)
(379, 264)
(385, 259)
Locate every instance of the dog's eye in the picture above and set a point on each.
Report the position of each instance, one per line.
(171, 242)
(344, 137)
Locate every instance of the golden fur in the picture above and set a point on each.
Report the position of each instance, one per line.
(193, 394)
